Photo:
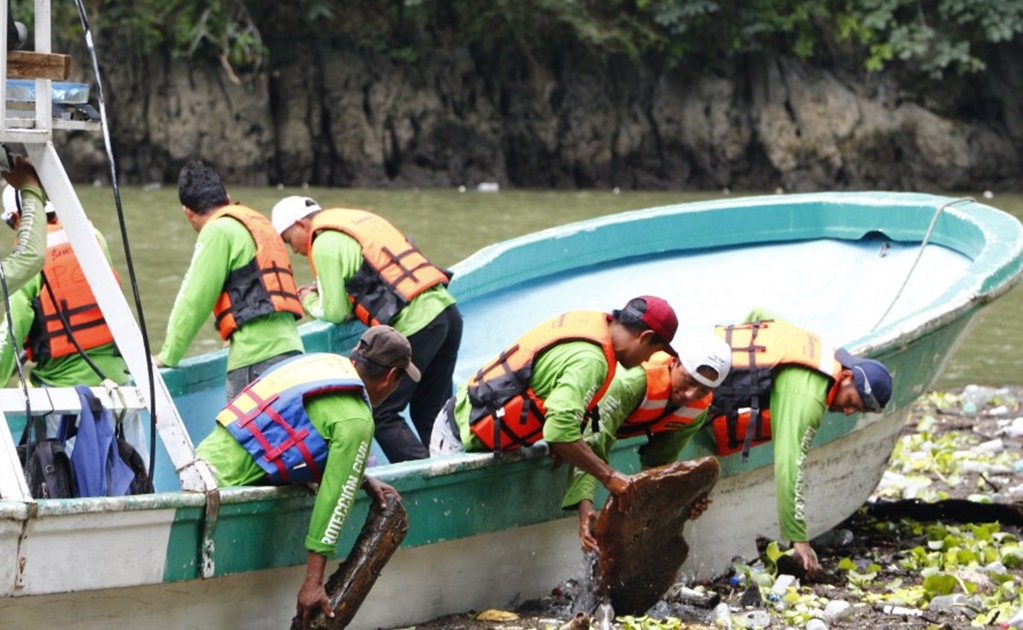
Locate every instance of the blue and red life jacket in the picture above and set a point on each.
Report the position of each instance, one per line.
(269, 420)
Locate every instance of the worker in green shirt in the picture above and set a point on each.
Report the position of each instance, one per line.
(62, 328)
(37, 310)
(665, 399)
(546, 384)
(29, 253)
(326, 398)
(802, 377)
(241, 271)
(365, 268)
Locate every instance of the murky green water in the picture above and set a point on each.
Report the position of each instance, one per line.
(449, 226)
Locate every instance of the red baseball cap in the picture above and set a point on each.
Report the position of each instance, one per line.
(657, 314)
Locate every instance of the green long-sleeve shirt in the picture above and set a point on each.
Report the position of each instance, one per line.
(566, 378)
(798, 397)
(66, 371)
(626, 393)
(346, 423)
(29, 253)
(797, 409)
(224, 245)
(337, 258)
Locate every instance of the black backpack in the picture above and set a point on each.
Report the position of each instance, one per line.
(46, 464)
(141, 484)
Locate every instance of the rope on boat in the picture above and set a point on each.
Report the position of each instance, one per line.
(124, 232)
(919, 254)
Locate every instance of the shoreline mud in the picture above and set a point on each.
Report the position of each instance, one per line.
(961, 449)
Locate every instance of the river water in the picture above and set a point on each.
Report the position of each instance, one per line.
(448, 225)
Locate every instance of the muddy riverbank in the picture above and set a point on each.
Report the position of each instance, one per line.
(877, 570)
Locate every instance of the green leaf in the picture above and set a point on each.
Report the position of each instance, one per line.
(942, 584)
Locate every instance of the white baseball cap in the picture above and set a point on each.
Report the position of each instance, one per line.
(709, 351)
(12, 206)
(289, 210)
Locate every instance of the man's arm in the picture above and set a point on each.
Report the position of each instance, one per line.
(312, 593)
(571, 378)
(29, 253)
(347, 425)
(22, 315)
(797, 408)
(199, 290)
(337, 257)
(623, 396)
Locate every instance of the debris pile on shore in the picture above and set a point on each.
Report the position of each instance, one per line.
(957, 468)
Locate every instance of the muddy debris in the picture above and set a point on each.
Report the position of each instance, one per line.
(899, 562)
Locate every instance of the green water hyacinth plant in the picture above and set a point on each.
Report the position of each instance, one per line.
(948, 554)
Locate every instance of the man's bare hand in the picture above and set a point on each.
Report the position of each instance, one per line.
(699, 508)
(587, 517)
(622, 487)
(808, 557)
(379, 490)
(311, 595)
(22, 173)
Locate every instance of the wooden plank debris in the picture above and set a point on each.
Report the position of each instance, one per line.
(347, 588)
(641, 550)
(23, 64)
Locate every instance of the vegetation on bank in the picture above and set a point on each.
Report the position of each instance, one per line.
(926, 38)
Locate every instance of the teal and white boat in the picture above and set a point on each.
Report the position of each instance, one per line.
(897, 277)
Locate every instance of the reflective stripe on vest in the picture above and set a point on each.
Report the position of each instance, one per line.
(394, 271)
(741, 402)
(47, 338)
(269, 420)
(263, 286)
(506, 413)
(652, 415)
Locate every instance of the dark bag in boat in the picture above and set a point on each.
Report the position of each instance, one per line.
(46, 464)
(141, 483)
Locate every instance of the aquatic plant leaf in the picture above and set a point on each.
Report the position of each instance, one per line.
(943, 584)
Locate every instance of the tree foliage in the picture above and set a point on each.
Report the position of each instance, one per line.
(929, 37)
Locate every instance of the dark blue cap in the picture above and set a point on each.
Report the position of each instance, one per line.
(872, 378)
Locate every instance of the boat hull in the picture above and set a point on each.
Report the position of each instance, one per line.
(486, 533)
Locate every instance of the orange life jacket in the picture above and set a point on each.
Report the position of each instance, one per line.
(506, 413)
(741, 403)
(72, 297)
(265, 285)
(653, 414)
(393, 272)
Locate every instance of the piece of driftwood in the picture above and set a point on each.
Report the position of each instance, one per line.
(581, 621)
(22, 64)
(347, 587)
(954, 510)
(641, 550)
